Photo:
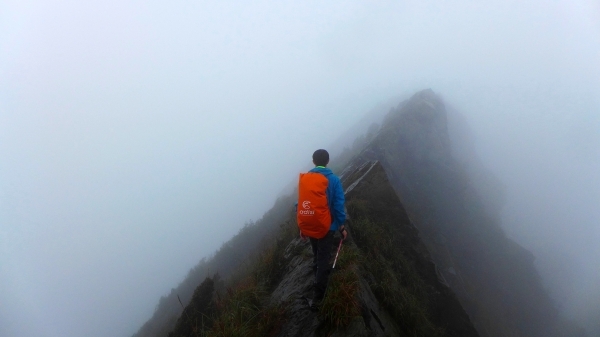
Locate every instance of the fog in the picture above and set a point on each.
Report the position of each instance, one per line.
(136, 137)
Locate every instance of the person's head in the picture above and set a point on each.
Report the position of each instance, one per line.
(321, 158)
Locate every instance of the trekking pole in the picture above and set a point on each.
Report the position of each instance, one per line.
(338, 252)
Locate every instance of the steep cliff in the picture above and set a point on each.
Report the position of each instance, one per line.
(454, 208)
(426, 254)
(385, 283)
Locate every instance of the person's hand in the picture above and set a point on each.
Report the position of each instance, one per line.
(302, 236)
(344, 232)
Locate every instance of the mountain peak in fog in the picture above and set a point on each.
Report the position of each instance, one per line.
(426, 256)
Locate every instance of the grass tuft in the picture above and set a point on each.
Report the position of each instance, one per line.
(396, 283)
(340, 305)
(243, 315)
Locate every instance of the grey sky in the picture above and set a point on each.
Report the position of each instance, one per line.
(136, 136)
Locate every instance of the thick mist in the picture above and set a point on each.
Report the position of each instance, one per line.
(137, 137)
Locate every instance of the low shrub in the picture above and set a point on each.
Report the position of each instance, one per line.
(242, 313)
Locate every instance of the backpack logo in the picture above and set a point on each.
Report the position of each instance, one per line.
(306, 210)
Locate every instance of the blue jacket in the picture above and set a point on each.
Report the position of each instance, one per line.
(335, 197)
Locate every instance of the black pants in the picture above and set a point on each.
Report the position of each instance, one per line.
(321, 256)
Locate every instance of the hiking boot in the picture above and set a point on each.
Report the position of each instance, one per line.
(318, 293)
(312, 304)
(315, 302)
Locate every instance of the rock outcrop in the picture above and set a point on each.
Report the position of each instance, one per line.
(493, 276)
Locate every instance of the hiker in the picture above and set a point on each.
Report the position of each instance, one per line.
(320, 214)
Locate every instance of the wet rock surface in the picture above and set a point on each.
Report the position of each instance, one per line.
(293, 288)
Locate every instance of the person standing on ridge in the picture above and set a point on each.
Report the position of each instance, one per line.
(320, 212)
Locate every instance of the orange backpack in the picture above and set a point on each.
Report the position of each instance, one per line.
(314, 217)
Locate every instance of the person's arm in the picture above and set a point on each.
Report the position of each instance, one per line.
(339, 213)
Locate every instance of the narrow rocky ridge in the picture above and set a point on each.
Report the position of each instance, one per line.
(393, 285)
(426, 254)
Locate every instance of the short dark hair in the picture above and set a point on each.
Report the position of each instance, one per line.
(321, 157)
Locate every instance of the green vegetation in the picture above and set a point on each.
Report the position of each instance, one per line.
(242, 313)
(225, 261)
(340, 306)
(196, 317)
(268, 268)
(395, 282)
(242, 309)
